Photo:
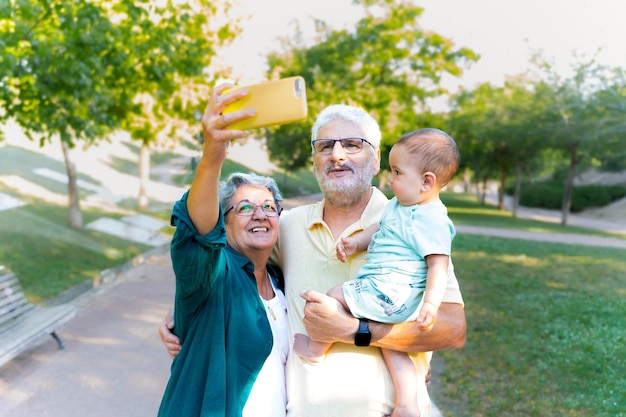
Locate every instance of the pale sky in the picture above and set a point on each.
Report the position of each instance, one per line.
(503, 32)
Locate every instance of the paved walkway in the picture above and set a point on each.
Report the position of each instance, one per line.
(115, 364)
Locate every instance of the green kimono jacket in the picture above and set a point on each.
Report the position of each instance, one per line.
(220, 320)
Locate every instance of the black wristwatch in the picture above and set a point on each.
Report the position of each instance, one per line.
(363, 335)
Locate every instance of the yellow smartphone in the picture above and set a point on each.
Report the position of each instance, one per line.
(276, 102)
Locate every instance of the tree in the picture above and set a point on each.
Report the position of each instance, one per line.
(169, 47)
(612, 104)
(388, 65)
(80, 69)
(521, 108)
(57, 64)
(574, 120)
(286, 147)
(471, 122)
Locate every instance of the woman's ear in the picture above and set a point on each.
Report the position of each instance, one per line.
(430, 180)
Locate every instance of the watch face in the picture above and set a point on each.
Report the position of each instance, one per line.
(362, 339)
(363, 335)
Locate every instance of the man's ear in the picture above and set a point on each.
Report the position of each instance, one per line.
(430, 180)
(377, 162)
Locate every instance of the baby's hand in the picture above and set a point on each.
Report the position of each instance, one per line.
(346, 247)
(427, 317)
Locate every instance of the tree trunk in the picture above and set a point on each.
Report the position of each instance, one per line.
(467, 180)
(75, 217)
(501, 189)
(483, 191)
(569, 186)
(144, 176)
(518, 189)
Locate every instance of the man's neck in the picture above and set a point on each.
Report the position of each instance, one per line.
(339, 217)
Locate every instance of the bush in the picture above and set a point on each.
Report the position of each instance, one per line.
(542, 194)
(615, 162)
(550, 195)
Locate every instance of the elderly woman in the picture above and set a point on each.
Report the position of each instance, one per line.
(229, 311)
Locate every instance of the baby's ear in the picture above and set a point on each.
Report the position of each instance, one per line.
(430, 180)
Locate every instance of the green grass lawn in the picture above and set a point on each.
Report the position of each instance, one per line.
(49, 257)
(545, 331)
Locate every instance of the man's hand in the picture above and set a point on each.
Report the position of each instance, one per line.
(169, 339)
(326, 320)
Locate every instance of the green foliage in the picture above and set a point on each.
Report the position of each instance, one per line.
(58, 61)
(169, 45)
(286, 148)
(614, 162)
(533, 127)
(581, 120)
(290, 183)
(80, 69)
(296, 183)
(494, 128)
(549, 194)
(388, 65)
(587, 196)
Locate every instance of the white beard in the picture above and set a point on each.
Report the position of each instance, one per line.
(346, 192)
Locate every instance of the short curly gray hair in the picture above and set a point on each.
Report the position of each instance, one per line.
(239, 179)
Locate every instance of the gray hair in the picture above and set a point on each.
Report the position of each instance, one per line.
(352, 114)
(239, 179)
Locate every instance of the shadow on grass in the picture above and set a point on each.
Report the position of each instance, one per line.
(465, 208)
(50, 257)
(544, 331)
(22, 163)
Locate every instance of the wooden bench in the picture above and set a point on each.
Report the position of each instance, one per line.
(21, 322)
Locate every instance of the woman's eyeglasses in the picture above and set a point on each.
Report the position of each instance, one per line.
(246, 208)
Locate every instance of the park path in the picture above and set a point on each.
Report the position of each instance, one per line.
(552, 216)
(115, 364)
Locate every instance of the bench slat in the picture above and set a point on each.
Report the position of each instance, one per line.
(7, 298)
(21, 322)
(7, 281)
(35, 324)
(9, 319)
(13, 302)
(5, 274)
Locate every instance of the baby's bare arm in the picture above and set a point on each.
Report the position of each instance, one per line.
(436, 280)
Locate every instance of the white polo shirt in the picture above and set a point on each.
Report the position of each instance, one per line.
(351, 381)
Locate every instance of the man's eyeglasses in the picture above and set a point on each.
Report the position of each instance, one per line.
(247, 209)
(349, 145)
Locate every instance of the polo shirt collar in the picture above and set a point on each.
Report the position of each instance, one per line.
(372, 211)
